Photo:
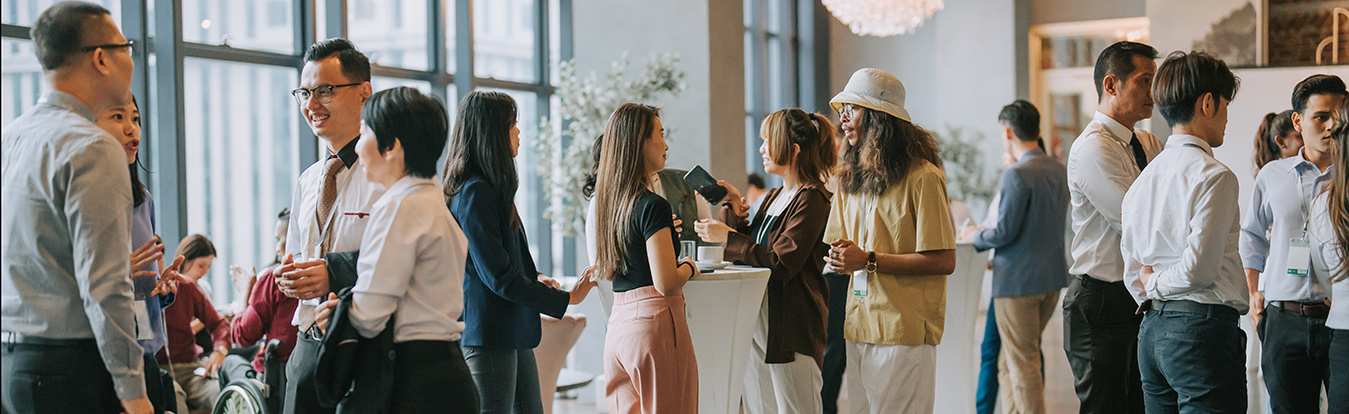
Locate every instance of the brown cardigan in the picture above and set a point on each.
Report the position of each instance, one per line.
(797, 292)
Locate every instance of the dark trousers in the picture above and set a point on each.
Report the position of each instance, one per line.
(835, 352)
(301, 393)
(56, 379)
(986, 395)
(1295, 355)
(159, 386)
(507, 379)
(1339, 372)
(1100, 336)
(1192, 363)
(431, 377)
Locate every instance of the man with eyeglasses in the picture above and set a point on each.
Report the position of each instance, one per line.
(330, 204)
(69, 340)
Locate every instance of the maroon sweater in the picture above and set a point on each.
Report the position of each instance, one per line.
(191, 303)
(268, 315)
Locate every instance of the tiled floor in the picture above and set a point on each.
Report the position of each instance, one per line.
(1059, 394)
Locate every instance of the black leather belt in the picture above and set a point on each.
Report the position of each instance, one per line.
(1312, 309)
(1088, 280)
(8, 337)
(1223, 312)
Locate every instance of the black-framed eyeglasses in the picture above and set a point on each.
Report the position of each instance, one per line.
(324, 93)
(129, 45)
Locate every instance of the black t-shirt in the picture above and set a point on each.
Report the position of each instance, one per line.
(650, 214)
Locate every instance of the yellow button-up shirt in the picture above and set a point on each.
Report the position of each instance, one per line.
(909, 217)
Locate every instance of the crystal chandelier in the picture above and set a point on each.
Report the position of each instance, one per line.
(882, 18)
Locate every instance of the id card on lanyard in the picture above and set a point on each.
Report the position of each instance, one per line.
(1299, 250)
(861, 276)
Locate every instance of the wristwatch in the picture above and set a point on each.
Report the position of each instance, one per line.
(871, 262)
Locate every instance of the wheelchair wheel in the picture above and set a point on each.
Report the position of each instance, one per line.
(241, 397)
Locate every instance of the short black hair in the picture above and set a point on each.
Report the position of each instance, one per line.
(1023, 118)
(59, 32)
(417, 121)
(756, 180)
(1118, 60)
(1320, 84)
(1184, 78)
(354, 63)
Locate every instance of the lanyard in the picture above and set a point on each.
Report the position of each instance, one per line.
(1302, 202)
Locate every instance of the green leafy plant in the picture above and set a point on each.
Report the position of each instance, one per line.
(563, 148)
(967, 179)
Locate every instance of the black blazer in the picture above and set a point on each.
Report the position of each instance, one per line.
(502, 295)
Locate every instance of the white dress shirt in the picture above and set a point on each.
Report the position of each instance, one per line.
(1101, 168)
(1278, 213)
(412, 261)
(66, 216)
(1181, 217)
(1325, 260)
(703, 212)
(351, 213)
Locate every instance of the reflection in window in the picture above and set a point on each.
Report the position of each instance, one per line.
(241, 129)
(20, 78)
(504, 40)
(245, 24)
(23, 13)
(390, 33)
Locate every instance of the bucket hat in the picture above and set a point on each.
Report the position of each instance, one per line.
(873, 89)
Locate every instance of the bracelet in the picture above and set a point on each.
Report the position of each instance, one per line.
(692, 269)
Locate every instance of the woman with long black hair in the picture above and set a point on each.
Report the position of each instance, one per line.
(503, 292)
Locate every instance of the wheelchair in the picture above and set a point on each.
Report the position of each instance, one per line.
(243, 392)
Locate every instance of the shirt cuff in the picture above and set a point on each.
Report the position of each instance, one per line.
(1150, 289)
(1254, 261)
(130, 386)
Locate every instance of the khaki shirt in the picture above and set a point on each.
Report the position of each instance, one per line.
(909, 217)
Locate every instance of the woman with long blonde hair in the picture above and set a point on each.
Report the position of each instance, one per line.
(648, 353)
(1329, 231)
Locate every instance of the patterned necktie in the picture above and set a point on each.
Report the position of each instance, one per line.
(329, 196)
(1140, 157)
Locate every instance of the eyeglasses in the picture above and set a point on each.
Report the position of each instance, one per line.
(128, 45)
(846, 112)
(324, 93)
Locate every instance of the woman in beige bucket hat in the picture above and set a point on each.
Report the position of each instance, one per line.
(889, 228)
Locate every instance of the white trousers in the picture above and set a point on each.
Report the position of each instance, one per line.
(793, 387)
(891, 379)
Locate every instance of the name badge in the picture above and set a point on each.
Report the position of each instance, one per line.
(1299, 257)
(859, 283)
(143, 332)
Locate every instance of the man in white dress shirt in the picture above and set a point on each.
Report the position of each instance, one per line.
(1100, 329)
(1179, 243)
(331, 202)
(1287, 305)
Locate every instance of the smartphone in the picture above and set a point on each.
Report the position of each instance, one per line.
(705, 185)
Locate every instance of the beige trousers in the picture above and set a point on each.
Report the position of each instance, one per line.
(1021, 323)
(648, 355)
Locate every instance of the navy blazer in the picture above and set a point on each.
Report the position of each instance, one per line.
(1032, 220)
(502, 295)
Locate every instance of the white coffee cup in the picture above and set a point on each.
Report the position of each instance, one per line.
(710, 254)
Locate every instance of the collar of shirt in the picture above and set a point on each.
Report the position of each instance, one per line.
(68, 102)
(1033, 152)
(347, 153)
(1117, 130)
(407, 185)
(1179, 140)
(1303, 162)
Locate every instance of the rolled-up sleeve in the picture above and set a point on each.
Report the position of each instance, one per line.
(98, 211)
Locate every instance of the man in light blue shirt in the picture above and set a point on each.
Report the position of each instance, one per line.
(69, 342)
(1287, 305)
(1029, 268)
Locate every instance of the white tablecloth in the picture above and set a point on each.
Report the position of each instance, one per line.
(957, 362)
(722, 308)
